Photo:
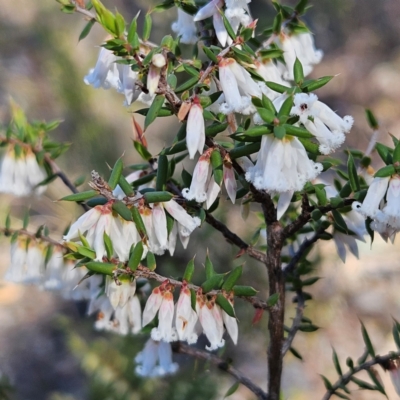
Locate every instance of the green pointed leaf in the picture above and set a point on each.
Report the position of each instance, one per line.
(151, 261)
(362, 384)
(147, 27)
(209, 268)
(266, 115)
(279, 132)
(258, 131)
(339, 220)
(286, 106)
(327, 383)
(157, 197)
(215, 282)
(297, 131)
(228, 26)
(246, 150)
(216, 162)
(189, 271)
(82, 196)
(396, 335)
(109, 246)
(231, 390)
(143, 152)
(101, 268)
(162, 173)
(396, 153)
(154, 110)
(341, 395)
(84, 251)
(321, 196)
(86, 30)
(353, 176)
(296, 353)
(336, 362)
(137, 219)
(239, 290)
(136, 256)
(121, 209)
(125, 186)
(298, 72)
(301, 6)
(385, 172)
(116, 174)
(376, 381)
(132, 30)
(316, 84)
(276, 87)
(372, 121)
(232, 278)
(215, 128)
(384, 153)
(367, 341)
(224, 303)
(187, 85)
(273, 299)
(210, 54)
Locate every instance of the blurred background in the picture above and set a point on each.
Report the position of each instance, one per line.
(48, 347)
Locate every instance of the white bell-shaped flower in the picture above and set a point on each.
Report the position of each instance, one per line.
(153, 304)
(195, 131)
(185, 28)
(165, 331)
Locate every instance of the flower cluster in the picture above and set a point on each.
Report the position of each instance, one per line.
(382, 205)
(203, 187)
(20, 173)
(109, 74)
(102, 220)
(188, 323)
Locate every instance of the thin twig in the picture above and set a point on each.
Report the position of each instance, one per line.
(24, 232)
(345, 379)
(307, 243)
(296, 322)
(235, 239)
(224, 365)
(144, 272)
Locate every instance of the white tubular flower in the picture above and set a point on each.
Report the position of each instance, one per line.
(236, 82)
(282, 166)
(391, 211)
(151, 229)
(394, 372)
(54, 270)
(186, 317)
(213, 190)
(167, 366)
(230, 181)
(35, 260)
(127, 83)
(160, 224)
(20, 174)
(210, 318)
(231, 324)
(165, 331)
(220, 30)
(185, 28)
(147, 359)
(237, 13)
(283, 203)
(341, 239)
(120, 294)
(200, 179)
(212, 10)
(155, 360)
(301, 46)
(18, 252)
(372, 201)
(270, 72)
(135, 314)
(321, 121)
(153, 77)
(152, 305)
(105, 73)
(195, 132)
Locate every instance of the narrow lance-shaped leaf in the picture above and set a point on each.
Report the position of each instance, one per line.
(82, 196)
(209, 53)
(339, 220)
(231, 390)
(101, 268)
(298, 72)
(143, 152)
(336, 362)
(385, 172)
(214, 282)
(316, 84)
(372, 121)
(84, 251)
(396, 153)
(147, 27)
(216, 162)
(151, 261)
(137, 219)
(273, 299)
(121, 209)
(239, 290)
(162, 172)
(116, 173)
(296, 353)
(157, 197)
(209, 268)
(136, 256)
(286, 106)
(228, 26)
(232, 278)
(154, 110)
(223, 302)
(108, 245)
(353, 176)
(187, 276)
(367, 341)
(86, 30)
(125, 186)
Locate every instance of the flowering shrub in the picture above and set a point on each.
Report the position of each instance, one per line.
(249, 113)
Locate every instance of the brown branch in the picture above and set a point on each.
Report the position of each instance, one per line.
(144, 272)
(296, 322)
(223, 365)
(24, 232)
(346, 378)
(235, 239)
